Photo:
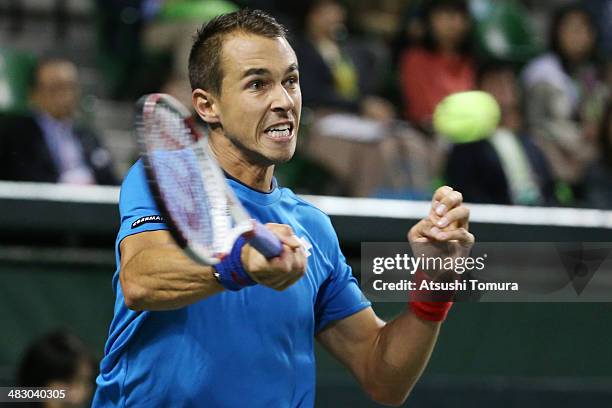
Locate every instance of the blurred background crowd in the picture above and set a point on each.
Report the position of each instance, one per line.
(372, 73)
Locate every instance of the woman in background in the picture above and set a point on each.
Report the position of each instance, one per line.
(442, 64)
(564, 96)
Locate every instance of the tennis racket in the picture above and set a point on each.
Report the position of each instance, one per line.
(202, 212)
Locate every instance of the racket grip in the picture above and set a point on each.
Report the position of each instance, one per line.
(264, 241)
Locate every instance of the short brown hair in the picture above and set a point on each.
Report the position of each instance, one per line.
(205, 56)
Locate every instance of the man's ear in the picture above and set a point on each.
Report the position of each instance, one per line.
(205, 104)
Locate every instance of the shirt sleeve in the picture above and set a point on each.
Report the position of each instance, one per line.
(137, 208)
(339, 296)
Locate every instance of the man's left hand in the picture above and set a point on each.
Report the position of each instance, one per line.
(445, 232)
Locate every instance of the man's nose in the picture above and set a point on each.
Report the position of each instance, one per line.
(282, 99)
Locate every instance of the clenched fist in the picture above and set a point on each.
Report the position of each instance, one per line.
(281, 272)
(445, 232)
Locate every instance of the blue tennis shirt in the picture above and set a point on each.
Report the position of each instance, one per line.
(251, 348)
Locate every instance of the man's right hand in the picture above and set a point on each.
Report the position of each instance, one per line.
(281, 272)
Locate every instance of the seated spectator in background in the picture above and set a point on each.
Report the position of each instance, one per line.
(47, 145)
(336, 71)
(58, 360)
(507, 167)
(599, 179)
(564, 96)
(354, 133)
(171, 26)
(442, 64)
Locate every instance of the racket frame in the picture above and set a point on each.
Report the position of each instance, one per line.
(244, 225)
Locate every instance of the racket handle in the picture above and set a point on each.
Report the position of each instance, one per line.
(264, 241)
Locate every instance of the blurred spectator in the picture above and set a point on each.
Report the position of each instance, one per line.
(46, 144)
(599, 180)
(332, 67)
(354, 133)
(507, 167)
(564, 96)
(442, 64)
(171, 27)
(58, 360)
(380, 18)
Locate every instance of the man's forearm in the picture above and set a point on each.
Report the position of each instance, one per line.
(161, 278)
(402, 350)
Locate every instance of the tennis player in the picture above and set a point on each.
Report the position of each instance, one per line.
(182, 338)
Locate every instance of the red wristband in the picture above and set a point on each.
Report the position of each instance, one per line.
(422, 304)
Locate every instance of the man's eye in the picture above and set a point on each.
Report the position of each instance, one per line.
(256, 85)
(292, 81)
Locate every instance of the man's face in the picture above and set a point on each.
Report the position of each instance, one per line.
(57, 91)
(260, 102)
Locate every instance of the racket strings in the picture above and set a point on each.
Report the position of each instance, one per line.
(222, 221)
(189, 182)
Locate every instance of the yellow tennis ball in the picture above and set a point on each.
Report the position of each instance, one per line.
(466, 117)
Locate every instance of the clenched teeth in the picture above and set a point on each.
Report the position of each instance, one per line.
(279, 133)
(280, 127)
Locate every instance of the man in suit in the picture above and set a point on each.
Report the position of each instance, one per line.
(46, 145)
